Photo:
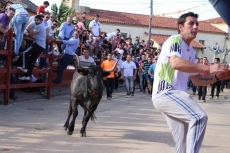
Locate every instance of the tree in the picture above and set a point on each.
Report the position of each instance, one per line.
(62, 12)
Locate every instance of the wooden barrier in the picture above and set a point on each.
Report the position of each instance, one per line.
(5, 73)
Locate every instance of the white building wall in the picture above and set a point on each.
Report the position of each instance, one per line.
(209, 38)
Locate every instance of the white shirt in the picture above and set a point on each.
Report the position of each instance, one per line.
(121, 51)
(49, 22)
(95, 27)
(165, 77)
(111, 34)
(52, 31)
(128, 68)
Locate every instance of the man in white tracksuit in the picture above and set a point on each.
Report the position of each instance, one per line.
(186, 120)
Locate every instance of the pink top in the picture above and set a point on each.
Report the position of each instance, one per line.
(81, 25)
(205, 73)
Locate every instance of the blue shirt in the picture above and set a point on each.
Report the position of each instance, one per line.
(4, 20)
(19, 9)
(40, 37)
(71, 45)
(66, 31)
(152, 68)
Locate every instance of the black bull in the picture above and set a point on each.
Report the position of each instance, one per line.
(86, 90)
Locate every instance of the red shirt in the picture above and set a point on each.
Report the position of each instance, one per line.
(41, 9)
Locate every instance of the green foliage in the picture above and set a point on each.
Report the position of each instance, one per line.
(62, 12)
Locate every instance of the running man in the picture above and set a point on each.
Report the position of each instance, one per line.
(185, 118)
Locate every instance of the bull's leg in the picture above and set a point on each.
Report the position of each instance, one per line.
(69, 115)
(85, 112)
(85, 121)
(72, 123)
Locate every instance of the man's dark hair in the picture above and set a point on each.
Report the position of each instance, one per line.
(11, 9)
(182, 18)
(55, 21)
(118, 30)
(218, 59)
(8, 2)
(46, 3)
(39, 17)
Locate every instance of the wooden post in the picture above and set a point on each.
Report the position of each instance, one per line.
(8, 67)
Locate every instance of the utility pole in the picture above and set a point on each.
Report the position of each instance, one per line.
(150, 18)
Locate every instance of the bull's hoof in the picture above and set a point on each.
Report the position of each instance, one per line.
(65, 128)
(69, 132)
(83, 134)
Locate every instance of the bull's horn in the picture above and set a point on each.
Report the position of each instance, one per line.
(77, 63)
(110, 70)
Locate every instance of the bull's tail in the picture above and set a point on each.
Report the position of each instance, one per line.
(93, 117)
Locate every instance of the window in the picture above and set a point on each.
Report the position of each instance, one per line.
(123, 34)
(201, 41)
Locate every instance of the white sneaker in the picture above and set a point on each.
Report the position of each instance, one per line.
(24, 70)
(127, 96)
(24, 78)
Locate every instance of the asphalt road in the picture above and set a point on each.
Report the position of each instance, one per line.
(124, 125)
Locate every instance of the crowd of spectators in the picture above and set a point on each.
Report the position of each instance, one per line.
(136, 58)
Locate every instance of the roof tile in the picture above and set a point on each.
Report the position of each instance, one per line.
(143, 20)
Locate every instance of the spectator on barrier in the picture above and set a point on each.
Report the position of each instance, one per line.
(2, 9)
(5, 19)
(65, 33)
(35, 49)
(111, 35)
(19, 23)
(80, 24)
(52, 18)
(7, 4)
(67, 58)
(41, 9)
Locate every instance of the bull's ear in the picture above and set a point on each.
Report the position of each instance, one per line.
(105, 74)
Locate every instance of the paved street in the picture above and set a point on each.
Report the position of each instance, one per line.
(123, 126)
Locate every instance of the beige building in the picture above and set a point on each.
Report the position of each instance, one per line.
(162, 27)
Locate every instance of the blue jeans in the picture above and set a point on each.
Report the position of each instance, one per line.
(222, 8)
(129, 84)
(141, 75)
(19, 23)
(64, 62)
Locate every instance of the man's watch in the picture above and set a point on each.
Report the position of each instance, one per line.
(217, 79)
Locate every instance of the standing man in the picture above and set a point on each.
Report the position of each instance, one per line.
(67, 57)
(19, 23)
(216, 84)
(118, 72)
(110, 79)
(186, 120)
(128, 73)
(41, 9)
(35, 49)
(95, 26)
(66, 32)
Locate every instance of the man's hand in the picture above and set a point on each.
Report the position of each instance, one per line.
(215, 68)
(223, 75)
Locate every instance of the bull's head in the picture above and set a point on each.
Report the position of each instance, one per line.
(95, 75)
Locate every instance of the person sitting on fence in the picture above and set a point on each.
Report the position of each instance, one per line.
(67, 58)
(35, 49)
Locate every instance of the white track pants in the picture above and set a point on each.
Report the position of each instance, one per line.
(186, 120)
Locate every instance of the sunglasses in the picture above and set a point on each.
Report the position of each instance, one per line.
(55, 24)
(47, 17)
